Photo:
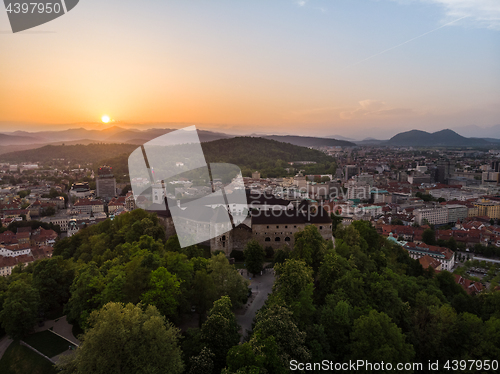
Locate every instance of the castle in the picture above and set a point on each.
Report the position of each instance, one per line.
(271, 221)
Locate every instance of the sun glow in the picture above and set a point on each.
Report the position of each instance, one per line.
(105, 119)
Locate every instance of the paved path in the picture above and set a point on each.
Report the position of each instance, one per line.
(62, 327)
(4, 344)
(65, 353)
(261, 286)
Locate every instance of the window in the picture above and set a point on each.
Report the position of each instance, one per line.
(295, 226)
(223, 237)
(287, 239)
(286, 227)
(277, 227)
(277, 239)
(268, 239)
(321, 227)
(267, 226)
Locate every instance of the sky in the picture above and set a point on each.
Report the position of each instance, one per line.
(356, 68)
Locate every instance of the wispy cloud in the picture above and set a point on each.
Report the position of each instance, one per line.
(479, 13)
(369, 108)
(303, 3)
(405, 42)
(365, 110)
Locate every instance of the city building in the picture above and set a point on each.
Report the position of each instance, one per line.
(444, 255)
(490, 176)
(419, 178)
(456, 212)
(359, 191)
(80, 190)
(89, 206)
(105, 183)
(488, 208)
(300, 181)
(433, 216)
(443, 171)
(350, 171)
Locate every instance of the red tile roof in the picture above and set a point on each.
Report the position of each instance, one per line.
(469, 286)
(427, 261)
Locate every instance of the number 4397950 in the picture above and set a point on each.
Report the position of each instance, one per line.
(34, 8)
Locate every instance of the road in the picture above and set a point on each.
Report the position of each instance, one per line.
(61, 327)
(261, 286)
(4, 344)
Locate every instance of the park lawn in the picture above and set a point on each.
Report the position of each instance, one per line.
(18, 359)
(47, 343)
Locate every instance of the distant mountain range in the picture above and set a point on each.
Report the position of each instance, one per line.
(443, 138)
(307, 141)
(475, 131)
(340, 137)
(113, 134)
(23, 140)
(17, 140)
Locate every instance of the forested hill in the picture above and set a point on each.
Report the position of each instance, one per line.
(309, 141)
(268, 156)
(74, 153)
(262, 154)
(129, 289)
(443, 138)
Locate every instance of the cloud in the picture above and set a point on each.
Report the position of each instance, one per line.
(479, 13)
(304, 3)
(369, 108)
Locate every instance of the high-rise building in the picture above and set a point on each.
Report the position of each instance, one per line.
(495, 166)
(350, 171)
(105, 182)
(443, 171)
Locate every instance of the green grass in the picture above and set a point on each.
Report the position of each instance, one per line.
(47, 343)
(21, 360)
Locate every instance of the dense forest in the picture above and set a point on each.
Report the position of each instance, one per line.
(270, 157)
(129, 290)
(79, 153)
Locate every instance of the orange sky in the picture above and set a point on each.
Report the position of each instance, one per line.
(251, 66)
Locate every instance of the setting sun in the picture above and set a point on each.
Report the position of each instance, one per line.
(105, 119)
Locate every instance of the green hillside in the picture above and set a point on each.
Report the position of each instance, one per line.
(74, 153)
(270, 157)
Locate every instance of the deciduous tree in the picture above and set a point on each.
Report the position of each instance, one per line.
(375, 338)
(164, 292)
(127, 340)
(220, 331)
(254, 257)
(20, 309)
